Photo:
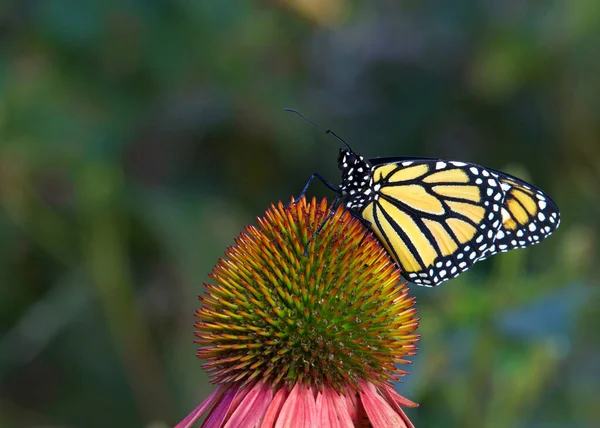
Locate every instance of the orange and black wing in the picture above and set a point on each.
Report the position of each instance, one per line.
(528, 215)
(436, 218)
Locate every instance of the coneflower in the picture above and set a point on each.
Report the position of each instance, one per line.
(296, 340)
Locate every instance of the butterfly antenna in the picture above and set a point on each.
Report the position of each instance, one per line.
(327, 131)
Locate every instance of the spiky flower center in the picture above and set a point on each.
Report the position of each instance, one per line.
(337, 315)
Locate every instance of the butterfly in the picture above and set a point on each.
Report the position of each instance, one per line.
(437, 218)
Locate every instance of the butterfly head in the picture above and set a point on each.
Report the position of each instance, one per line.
(357, 180)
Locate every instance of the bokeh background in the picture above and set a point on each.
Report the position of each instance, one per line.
(137, 138)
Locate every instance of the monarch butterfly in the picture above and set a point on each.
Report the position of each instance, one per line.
(435, 217)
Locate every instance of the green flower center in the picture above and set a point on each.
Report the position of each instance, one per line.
(336, 316)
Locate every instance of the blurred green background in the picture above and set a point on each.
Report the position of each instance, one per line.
(137, 138)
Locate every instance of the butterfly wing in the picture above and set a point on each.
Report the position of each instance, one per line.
(528, 215)
(436, 218)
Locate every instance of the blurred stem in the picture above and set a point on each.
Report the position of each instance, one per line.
(43, 321)
(106, 257)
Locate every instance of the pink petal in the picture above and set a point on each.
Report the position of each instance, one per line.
(341, 409)
(387, 391)
(355, 408)
(199, 411)
(322, 410)
(289, 411)
(381, 414)
(351, 401)
(218, 415)
(299, 410)
(332, 410)
(400, 399)
(310, 406)
(239, 397)
(252, 408)
(272, 413)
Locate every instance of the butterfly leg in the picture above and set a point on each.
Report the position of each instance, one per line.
(364, 221)
(332, 210)
(312, 177)
(334, 206)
